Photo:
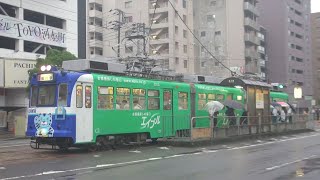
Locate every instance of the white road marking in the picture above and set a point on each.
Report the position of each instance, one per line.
(96, 156)
(167, 157)
(259, 141)
(2, 168)
(289, 163)
(164, 148)
(136, 151)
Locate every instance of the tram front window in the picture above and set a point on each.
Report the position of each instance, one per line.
(46, 95)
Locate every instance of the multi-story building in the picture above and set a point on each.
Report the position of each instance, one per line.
(28, 29)
(289, 44)
(229, 29)
(315, 24)
(168, 40)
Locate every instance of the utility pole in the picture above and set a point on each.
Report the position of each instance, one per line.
(139, 31)
(120, 22)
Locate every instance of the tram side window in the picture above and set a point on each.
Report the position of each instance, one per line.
(220, 97)
(63, 94)
(123, 98)
(183, 100)
(79, 97)
(230, 97)
(211, 97)
(153, 100)
(202, 100)
(139, 99)
(88, 96)
(34, 95)
(105, 98)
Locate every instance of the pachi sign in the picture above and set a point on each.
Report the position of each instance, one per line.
(14, 79)
(19, 29)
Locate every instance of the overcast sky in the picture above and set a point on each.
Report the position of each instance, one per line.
(315, 6)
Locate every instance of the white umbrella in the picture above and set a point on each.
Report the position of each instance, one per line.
(213, 106)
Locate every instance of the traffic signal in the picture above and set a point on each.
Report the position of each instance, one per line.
(277, 86)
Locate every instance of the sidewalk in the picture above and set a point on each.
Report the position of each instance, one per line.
(6, 135)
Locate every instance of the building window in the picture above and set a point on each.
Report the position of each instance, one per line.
(43, 19)
(177, 60)
(128, 4)
(177, 45)
(203, 34)
(129, 49)
(299, 48)
(213, 3)
(98, 36)
(176, 29)
(217, 33)
(185, 18)
(184, 3)
(210, 18)
(299, 71)
(128, 19)
(185, 48)
(185, 63)
(203, 64)
(185, 34)
(299, 59)
(7, 43)
(10, 10)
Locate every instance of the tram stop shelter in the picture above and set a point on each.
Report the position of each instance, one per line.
(257, 98)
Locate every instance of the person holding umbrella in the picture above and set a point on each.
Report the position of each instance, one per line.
(231, 106)
(213, 108)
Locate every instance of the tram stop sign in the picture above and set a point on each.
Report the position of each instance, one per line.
(297, 92)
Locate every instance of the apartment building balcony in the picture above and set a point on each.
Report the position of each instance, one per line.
(163, 38)
(261, 50)
(95, 13)
(160, 23)
(161, 7)
(96, 1)
(95, 43)
(262, 63)
(251, 8)
(94, 28)
(252, 39)
(251, 23)
(251, 54)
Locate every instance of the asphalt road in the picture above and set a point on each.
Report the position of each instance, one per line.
(281, 158)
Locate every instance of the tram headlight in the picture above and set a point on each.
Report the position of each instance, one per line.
(43, 68)
(48, 68)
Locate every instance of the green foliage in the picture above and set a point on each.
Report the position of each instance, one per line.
(54, 57)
